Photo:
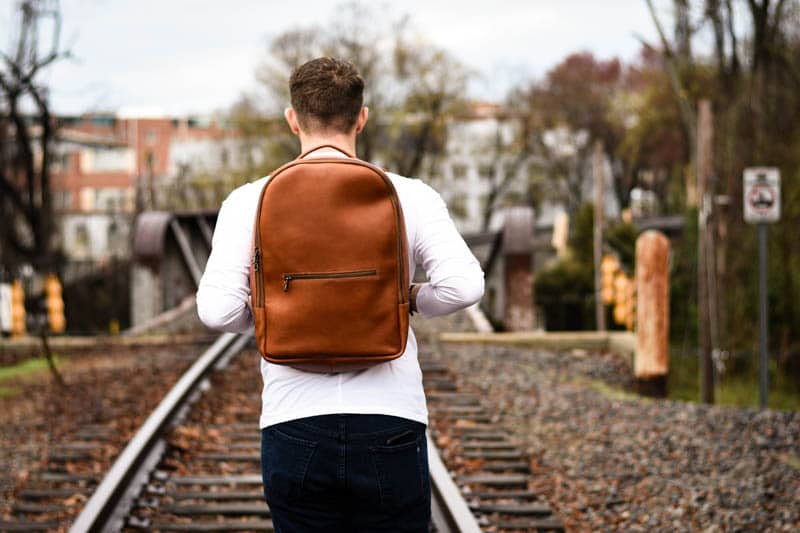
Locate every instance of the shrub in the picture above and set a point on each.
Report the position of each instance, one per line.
(565, 294)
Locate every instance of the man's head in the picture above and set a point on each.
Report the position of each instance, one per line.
(327, 98)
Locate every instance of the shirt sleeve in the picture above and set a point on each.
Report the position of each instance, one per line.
(454, 274)
(223, 296)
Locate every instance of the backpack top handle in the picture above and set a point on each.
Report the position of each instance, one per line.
(345, 152)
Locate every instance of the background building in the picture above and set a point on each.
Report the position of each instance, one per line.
(108, 166)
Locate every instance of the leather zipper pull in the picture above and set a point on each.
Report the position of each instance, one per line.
(286, 279)
(257, 260)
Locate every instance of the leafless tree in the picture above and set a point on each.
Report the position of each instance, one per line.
(27, 131)
(753, 82)
(412, 85)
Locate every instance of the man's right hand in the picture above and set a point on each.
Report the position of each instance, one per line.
(412, 298)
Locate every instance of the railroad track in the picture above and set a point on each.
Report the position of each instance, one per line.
(195, 463)
(493, 474)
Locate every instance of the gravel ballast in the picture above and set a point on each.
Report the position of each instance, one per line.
(607, 459)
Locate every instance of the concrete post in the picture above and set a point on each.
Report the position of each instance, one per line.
(651, 360)
(518, 261)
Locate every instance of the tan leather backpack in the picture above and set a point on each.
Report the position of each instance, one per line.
(329, 276)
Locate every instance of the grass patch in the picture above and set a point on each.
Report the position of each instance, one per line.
(8, 392)
(738, 386)
(610, 392)
(683, 380)
(30, 368)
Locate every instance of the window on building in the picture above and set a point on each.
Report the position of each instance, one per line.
(87, 199)
(151, 137)
(63, 200)
(150, 160)
(81, 243)
(459, 171)
(458, 206)
(512, 198)
(104, 122)
(113, 238)
(128, 199)
(486, 171)
(60, 163)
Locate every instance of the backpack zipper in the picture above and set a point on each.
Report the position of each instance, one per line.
(327, 275)
(257, 271)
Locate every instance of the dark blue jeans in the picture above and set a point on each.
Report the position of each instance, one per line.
(347, 473)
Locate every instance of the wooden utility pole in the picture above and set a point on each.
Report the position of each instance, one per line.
(705, 136)
(599, 204)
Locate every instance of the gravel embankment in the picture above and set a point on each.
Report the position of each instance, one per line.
(116, 389)
(608, 460)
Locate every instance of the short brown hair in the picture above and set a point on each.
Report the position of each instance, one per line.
(327, 93)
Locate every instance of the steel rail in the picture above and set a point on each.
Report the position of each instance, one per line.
(103, 511)
(449, 510)
(111, 501)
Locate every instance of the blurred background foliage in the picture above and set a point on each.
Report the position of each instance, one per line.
(412, 88)
(645, 113)
(742, 55)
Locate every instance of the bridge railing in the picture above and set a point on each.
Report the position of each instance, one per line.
(170, 251)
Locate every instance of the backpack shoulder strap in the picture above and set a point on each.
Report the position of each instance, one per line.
(345, 152)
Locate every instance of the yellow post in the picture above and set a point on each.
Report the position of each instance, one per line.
(17, 309)
(55, 304)
(622, 297)
(608, 268)
(630, 318)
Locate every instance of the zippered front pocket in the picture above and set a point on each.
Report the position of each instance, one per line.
(287, 278)
(335, 313)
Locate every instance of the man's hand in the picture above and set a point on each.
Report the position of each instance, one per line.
(412, 298)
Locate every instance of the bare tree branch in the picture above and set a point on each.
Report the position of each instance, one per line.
(734, 42)
(29, 135)
(687, 111)
(714, 13)
(12, 194)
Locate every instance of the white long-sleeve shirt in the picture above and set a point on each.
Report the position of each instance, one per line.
(391, 388)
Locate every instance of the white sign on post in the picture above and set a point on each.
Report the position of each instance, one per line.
(5, 307)
(762, 195)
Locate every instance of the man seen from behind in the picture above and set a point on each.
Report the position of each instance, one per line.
(342, 451)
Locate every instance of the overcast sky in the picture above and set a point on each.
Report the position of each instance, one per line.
(194, 56)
